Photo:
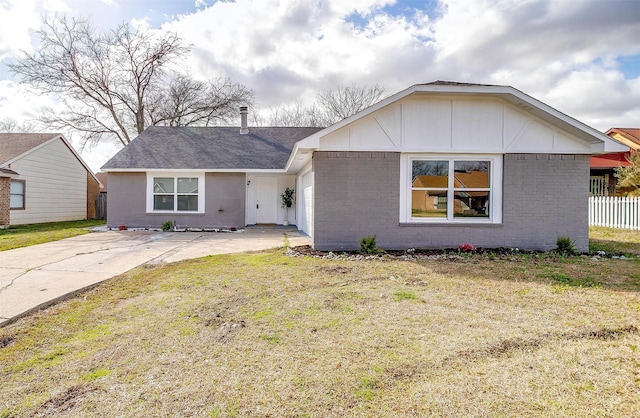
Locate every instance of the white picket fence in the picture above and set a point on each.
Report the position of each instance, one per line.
(614, 212)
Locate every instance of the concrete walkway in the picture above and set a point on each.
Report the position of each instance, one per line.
(37, 276)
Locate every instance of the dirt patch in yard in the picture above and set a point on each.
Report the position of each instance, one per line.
(5, 340)
(65, 401)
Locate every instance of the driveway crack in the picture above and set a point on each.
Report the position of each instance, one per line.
(102, 249)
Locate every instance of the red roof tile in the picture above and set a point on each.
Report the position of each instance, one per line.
(611, 160)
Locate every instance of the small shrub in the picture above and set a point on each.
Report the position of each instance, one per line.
(368, 245)
(167, 226)
(566, 246)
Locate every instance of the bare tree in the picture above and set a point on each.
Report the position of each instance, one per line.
(12, 125)
(331, 106)
(296, 115)
(342, 102)
(109, 84)
(191, 102)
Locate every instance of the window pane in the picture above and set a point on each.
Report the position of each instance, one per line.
(188, 185)
(17, 187)
(430, 173)
(163, 185)
(471, 204)
(188, 202)
(16, 201)
(471, 174)
(429, 203)
(162, 202)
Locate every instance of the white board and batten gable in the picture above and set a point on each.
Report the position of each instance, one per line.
(456, 119)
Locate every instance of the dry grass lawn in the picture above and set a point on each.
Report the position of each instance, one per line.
(267, 334)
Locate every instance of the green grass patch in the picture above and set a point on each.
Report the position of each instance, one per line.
(404, 295)
(567, 280)
(96, 374)
(25, 235)
(272, 338)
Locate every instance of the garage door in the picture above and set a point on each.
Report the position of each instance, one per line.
(306, 215)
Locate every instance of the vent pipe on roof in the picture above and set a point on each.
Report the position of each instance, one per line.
(244, 129)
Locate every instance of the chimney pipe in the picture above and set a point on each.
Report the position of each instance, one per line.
(244, 129)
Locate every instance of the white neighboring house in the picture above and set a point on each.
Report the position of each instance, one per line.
(47, 180)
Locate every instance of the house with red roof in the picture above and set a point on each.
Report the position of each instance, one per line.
(602, 179)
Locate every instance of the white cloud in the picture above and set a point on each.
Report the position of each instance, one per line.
(289, 50)
(17, 17)
(55, 6)
(565, 53)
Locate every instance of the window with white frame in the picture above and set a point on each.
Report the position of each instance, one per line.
(182, 193)
(453, 189)
(17, 194)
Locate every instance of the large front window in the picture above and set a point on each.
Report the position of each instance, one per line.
(176, 194)
(452, 189)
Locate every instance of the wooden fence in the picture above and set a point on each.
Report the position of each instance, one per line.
(101, 206)
(614, 212)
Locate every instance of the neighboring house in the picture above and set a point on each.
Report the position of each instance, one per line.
(102, 178)
(433, 166)
(42, 179)
(602, 180)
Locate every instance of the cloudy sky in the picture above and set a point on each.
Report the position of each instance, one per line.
(581, 57)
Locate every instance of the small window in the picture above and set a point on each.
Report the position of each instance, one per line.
(17, 194)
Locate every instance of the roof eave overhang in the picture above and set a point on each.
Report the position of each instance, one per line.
(194, 170)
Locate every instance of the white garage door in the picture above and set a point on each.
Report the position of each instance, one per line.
(306, 215)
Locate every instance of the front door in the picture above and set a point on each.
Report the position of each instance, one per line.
(266, 200)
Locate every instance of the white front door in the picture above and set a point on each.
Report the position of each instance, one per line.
(266, 199)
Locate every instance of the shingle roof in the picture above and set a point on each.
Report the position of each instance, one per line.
(15, 144)
(202, 148)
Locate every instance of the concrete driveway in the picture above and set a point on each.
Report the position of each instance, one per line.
(34, 277)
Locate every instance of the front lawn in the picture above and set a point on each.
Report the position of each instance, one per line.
(24, 235)
(613, 239)
(267, 334)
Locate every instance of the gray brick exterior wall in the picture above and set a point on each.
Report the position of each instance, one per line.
(5, 201)
(358, 194)
(224, 202)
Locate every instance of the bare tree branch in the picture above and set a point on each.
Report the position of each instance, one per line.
(342, 102)
(331, 106)
(115, 84)
(12, 125)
